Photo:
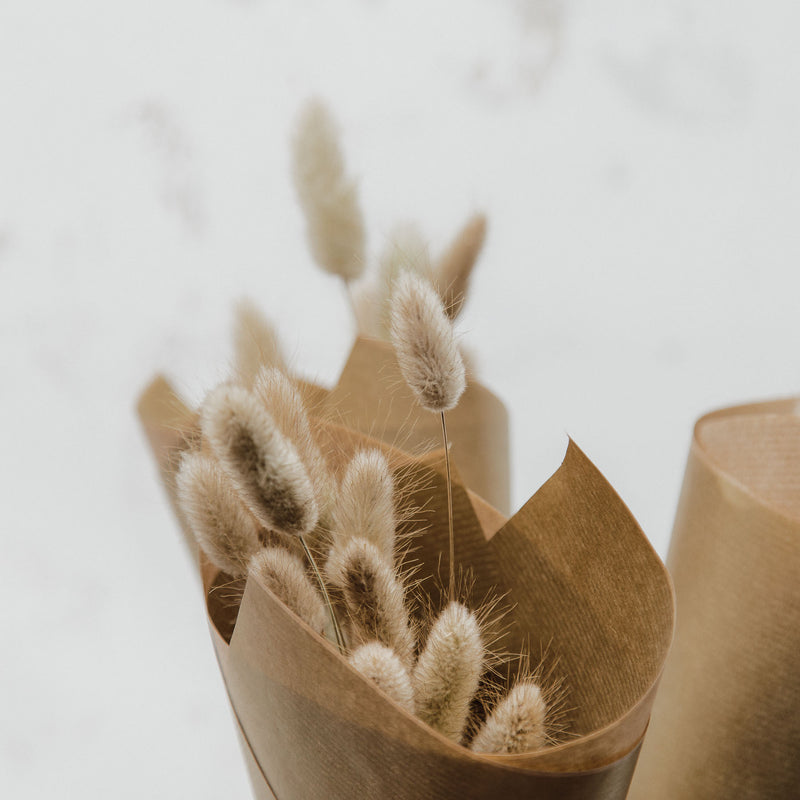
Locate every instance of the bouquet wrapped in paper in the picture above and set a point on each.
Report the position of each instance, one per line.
(382, 627)
(583, 585)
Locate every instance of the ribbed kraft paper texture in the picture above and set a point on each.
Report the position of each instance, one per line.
(727, 720)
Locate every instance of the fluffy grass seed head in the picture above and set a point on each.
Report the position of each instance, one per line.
(517, 725)
(255, 343)
(448, 671)
(224, 529)
(329, 198)
(406, 249)
(364, 506)
(285, 405)
(425, 344)
(457, 262)
(383, 667)
(373, 597)
(260, 461)
(283, 573)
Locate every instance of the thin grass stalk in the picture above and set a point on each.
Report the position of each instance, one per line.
(348, 290)
(452, 588)
(337, 631)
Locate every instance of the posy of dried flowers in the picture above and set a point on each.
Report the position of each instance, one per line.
(354, 667)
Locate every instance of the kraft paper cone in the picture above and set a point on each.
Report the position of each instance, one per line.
(580, 578)
(727, 720)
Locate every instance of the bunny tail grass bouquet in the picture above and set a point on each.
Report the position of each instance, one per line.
(383, 629)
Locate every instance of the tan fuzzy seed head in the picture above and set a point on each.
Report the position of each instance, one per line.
(224, 529)
(285, 405)
(373, 597)
(448, 671)
(283, 574)
(382, 666)
(457, 262)
(425, 344)
(255, 343)
(262, 464)
(329, 199)
(406, 249)
(365, 504)
(517, 725)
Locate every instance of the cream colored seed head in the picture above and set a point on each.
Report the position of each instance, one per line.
(425, 344)
(457, 262)
(283, 574)
(365, 504)
(382, 666)
(406, 249)
(373, 597)
(329, 199)
(262, 464)
(285, 405)
(517, 725)
(448, 671)
(224, 529)
(255, 343)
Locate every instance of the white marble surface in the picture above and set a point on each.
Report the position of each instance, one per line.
(639, 164)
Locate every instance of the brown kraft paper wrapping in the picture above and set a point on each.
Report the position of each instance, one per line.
(581, 581)
(727, 719)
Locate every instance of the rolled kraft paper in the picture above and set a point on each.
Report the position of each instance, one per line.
(727, 720)
(372, 397)
(601, 600)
